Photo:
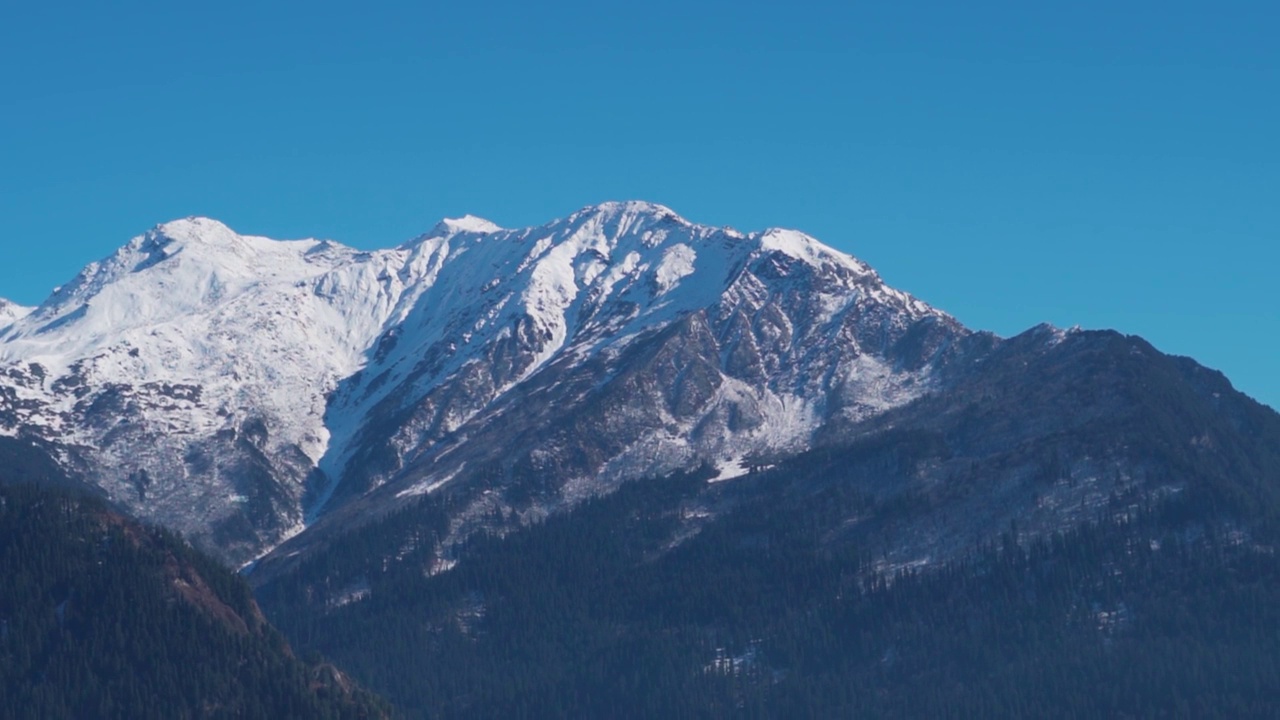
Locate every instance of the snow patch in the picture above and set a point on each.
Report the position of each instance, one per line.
(677, 263)
(730, 469)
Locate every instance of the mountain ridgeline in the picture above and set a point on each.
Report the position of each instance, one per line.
(627, 465)
(241, 389)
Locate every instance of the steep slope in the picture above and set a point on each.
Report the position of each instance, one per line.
(234, 387)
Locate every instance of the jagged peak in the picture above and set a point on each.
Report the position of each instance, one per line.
(628, 215)
(181, 264)
(624, 217)
(637, 214)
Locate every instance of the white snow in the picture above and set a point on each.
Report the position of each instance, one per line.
(677, 263)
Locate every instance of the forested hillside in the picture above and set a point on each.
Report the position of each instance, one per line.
(101, 617)
(1166, 610)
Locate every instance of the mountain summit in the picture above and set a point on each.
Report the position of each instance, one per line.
(239, 388)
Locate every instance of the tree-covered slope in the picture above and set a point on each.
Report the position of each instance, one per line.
(1168, 613)
(101, 617)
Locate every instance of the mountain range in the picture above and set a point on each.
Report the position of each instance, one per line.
(626, 458)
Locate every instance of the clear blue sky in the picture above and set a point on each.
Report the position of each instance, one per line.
(1108, 164)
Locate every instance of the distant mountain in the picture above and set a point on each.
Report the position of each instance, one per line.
(103, 617)
(240, 389)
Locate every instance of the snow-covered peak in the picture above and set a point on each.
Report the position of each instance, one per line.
(465, 224)
(11, 312)
(612, 231)
(173, 271)
(196, 230)
(589, 284)
(162, 360)
(624, 216)
(609, 270)
(216, 244)
(804, 247)
(658, 223)
(192, 301)
(619, 208)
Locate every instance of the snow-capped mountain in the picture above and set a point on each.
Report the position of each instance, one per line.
(238, 388)
(187, 372)
(621, 342)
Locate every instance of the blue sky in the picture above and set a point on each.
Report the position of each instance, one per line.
(1095, 163)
